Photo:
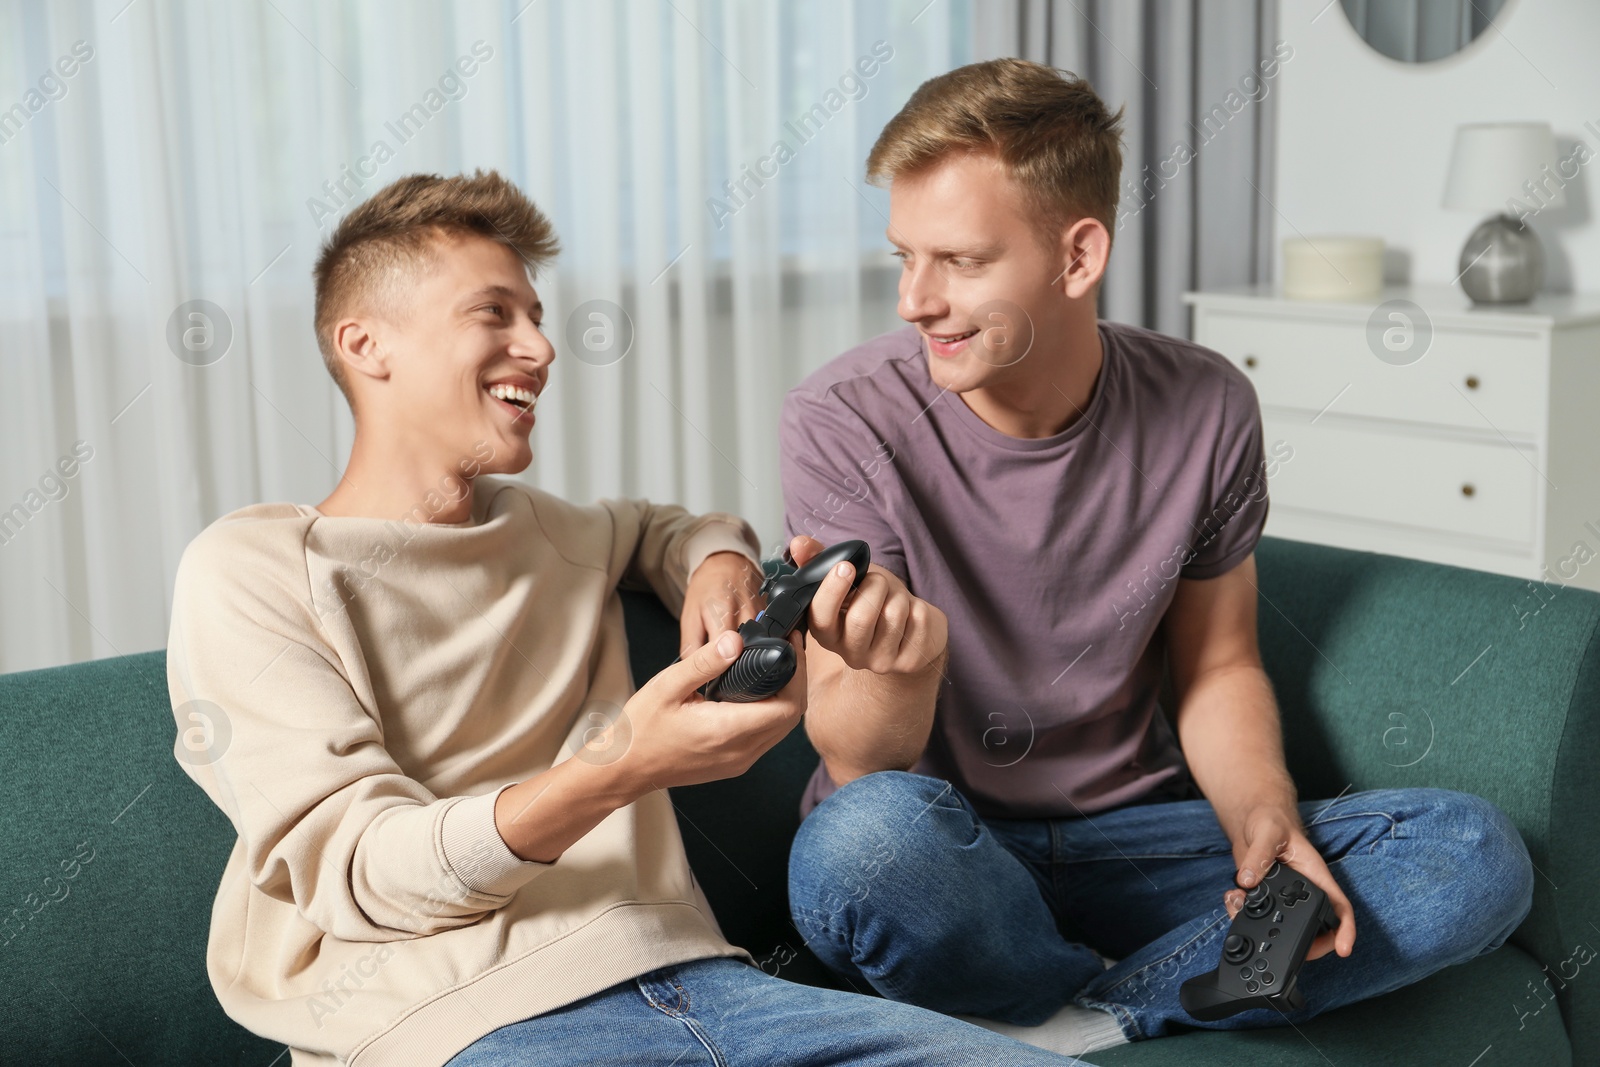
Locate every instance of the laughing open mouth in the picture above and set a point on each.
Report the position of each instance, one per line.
(514, 396)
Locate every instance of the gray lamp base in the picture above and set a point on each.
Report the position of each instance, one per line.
(1502, 262)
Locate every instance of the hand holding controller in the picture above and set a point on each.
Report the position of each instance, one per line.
(1264, 949)
(768, 660)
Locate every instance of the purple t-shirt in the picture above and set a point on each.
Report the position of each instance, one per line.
(1054, 558)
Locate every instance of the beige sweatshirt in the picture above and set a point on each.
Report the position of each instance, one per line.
(353, 693)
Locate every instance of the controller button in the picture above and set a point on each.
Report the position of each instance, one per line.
(1271, 870)
(1236, 948)
(1277, 916)
(1244, 972)
(1267, 979)
(1274, 932)
(1251, 987)
(1261, 964)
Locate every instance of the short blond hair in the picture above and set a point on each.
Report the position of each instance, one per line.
(1051, 132)
(389, 237)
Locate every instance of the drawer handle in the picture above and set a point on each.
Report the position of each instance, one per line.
(1467, 489)
(1472, 381)
(1250, 361)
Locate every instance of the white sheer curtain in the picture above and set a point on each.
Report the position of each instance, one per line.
(158, 153)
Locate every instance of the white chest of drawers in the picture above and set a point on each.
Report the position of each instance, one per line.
(1483, 452)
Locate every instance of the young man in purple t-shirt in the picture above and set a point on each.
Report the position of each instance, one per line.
(993, 822)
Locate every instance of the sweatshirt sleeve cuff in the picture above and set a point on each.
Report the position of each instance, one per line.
(724, 536)
(478, 855)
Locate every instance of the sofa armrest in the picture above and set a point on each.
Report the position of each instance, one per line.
(1393, 672)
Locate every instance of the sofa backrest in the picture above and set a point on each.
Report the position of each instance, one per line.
(737, 831)
(1389, 672)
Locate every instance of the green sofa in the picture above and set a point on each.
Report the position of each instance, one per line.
(1390, 673)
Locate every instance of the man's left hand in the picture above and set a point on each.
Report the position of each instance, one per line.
(1269, 834)
(724, 591)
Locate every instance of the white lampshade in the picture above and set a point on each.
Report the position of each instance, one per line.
(1492, 161)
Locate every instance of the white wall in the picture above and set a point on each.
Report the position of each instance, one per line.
(1364, 140)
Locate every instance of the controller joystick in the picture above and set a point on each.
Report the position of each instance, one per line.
(1258, 901)
(1237, 948)
(767, 661)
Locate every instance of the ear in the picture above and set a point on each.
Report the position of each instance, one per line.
(356, 344)
(1085, 248)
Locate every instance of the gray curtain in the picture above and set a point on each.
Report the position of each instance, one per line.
(1199, 117)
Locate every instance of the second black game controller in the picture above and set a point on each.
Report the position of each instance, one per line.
(767, 661)
(1265, 946)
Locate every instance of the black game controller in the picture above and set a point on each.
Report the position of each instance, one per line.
(767, 662)
(1261, 956)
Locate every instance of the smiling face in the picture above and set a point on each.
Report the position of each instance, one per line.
(465, 354)
(978, 280)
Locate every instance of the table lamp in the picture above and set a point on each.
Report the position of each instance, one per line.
(1493, 163)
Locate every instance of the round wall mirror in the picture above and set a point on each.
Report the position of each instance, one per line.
(1420, 31)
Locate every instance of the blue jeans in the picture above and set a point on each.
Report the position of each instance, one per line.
(895, 880)
(725, 1011)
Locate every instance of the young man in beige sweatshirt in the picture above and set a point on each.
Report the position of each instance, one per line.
(415, 706)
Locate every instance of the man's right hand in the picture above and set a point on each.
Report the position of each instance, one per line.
(678, 737)
(877, 657)
(880, 627)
